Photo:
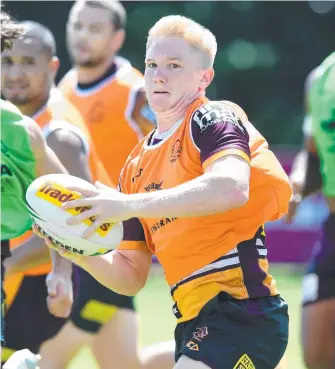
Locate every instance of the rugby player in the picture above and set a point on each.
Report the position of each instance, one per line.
(196, 193)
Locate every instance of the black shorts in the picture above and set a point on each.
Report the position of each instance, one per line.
(241, 334)
(319, 280)
(5, 252)
(2, 312)
(28, 321)
(94, 303)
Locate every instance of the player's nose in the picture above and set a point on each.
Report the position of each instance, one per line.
(159, 76)
(14, 72)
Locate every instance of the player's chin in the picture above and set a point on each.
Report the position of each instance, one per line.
(160, 105)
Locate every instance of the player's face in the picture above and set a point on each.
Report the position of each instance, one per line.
(90, 35)
(27, 72)
(173, 72)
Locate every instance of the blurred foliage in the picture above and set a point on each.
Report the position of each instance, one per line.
(265, 50)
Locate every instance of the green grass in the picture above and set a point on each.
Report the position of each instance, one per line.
(154, 307)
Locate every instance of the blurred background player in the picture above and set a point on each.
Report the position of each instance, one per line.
(28, 73)
(317, 170)
(106, 89)
(25, 155)
(109, 94)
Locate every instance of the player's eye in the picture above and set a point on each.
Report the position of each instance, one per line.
(77, 26)
(174, 66)
(151, 65)
(28, 61)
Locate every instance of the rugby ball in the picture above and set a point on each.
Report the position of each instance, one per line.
(44, 198)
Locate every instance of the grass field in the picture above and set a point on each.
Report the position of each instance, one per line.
(154, 306)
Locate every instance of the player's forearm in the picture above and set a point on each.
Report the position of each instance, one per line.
(305, 177)
(298, 172)
(313, 181)
(115, 272)
(208, 194)
(60, 265)
(30, 254)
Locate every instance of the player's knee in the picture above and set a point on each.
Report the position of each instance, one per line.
(319, 359)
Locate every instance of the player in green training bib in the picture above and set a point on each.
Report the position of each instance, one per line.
(17, 172)
(24, 156)
(322, 105)
(317, 172)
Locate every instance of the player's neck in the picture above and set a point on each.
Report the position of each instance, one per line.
(90, 75)
(167, 119)
(31, 108)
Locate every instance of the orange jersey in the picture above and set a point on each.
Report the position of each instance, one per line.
(202, 256)
(115, 111)
(61, 114)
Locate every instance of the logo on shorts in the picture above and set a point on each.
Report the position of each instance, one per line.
(244, 363)
(200, 333)
(192, 346)
(176, 151)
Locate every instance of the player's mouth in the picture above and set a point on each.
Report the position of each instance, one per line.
(81, 49)
(161, 93)
(16, 88)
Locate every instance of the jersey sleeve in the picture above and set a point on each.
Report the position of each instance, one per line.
(133, 236)
(217, 132)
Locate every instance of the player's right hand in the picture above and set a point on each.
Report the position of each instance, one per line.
(23, 359)
(292, 208)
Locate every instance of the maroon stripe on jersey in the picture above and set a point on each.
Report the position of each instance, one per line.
(133, 230)
(252, 273)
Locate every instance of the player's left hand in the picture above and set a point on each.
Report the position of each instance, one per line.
(105, 204)
(60, 294)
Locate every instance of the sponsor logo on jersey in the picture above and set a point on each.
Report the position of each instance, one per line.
(213, 113)
(176, 151)
(137, 175)
(57, 195)
(154, 186)
(161, 223)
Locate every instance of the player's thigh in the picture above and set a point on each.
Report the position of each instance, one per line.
(28, 320)
(318, 333)
(117, 341)
(187, 363)
(57, 352)
(318, 315)
(95, 305)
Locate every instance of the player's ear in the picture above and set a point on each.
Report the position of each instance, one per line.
(206, 78)
(118, 40)
(54, 66)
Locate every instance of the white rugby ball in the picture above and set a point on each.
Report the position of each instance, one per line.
(44, 197)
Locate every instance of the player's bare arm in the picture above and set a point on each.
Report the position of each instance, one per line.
(59, 282)
(70, 150)
(305, 177)
(224, 186)
(123, 271)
